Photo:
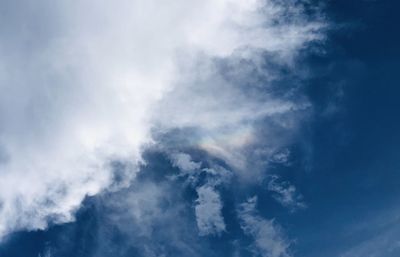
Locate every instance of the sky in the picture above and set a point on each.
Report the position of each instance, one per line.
(199, 128)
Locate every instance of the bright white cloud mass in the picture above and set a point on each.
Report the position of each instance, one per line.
(85, 83)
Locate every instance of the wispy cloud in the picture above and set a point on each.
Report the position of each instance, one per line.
(285, 193)
(269, 240)
(374, 234)
(152, 218)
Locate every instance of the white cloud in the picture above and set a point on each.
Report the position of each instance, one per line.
(208, 205)
(268, 238)
(209, 211)
(83, 83)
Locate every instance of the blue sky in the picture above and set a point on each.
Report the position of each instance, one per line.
(221, 128)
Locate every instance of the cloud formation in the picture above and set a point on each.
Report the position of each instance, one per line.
(285, 193)
(87, 83)
(268, 238)
(205, 181)
(209, 211)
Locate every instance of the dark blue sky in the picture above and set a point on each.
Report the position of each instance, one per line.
(345, 163)
(353, 184)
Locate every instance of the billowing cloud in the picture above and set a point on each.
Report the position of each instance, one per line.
(85, 84)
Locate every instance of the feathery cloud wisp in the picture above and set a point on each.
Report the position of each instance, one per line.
(268, 238)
